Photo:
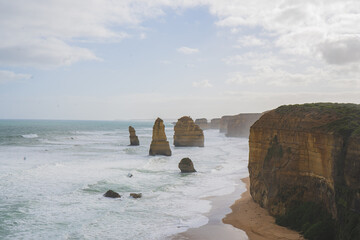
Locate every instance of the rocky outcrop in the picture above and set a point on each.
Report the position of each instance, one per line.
(159, 144)
(134, 141)
(215, 123)
(308, 153)
(239, 125)
(187, 133)
(223, 123)
(136, 195)
(202, 123)
(186, 165)
(112, 194)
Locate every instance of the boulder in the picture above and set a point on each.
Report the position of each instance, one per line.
(134, 140)
(112, 194)
(188, 134)
(159, 144)
(186, 165)
(136, 195)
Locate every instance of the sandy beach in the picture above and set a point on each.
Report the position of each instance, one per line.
(255, 221)
(246, 217)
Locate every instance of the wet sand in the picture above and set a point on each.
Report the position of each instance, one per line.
(256, 221)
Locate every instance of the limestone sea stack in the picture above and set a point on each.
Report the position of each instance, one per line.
(304, 158)
(186, 165)
(134, 140)
(202, 123)
(187, 133)
(215, 123)
(239, 125)
(159, 144)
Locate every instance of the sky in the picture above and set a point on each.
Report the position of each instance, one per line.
(142, 59)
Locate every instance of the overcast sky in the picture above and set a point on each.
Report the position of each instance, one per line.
(139, 59)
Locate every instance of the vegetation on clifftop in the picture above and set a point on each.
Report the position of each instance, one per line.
(340, 118)
(311, 219)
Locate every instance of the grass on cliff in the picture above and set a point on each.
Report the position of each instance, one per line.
(310, 219)
(347, 115)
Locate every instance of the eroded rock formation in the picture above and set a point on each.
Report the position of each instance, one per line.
(134, 140)
(202, 123)
(112, 194)
(308, 153)
(239, 125)
(186, 165)
(159, 144)
(215, 123)
(187, 133)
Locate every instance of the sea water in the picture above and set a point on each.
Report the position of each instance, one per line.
(53, 175)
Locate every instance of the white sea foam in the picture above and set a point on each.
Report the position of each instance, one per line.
(59, 187)
(33, 135)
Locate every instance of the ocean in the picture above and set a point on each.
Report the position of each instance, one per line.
(53, 176)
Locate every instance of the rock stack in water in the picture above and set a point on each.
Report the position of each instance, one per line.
(188, 134)
(159, 144)
(202, 123)
(186, 165)
(134, 140)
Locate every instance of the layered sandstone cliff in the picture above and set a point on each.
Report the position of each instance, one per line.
(134, 140)
(215, 123)
(308, 153)
(202, 123)
(239, 125)
(188, 134)
(159, 144)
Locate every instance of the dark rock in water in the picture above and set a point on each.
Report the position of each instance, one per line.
(136, 195)
(112, 194)
(130, 175)
(186, 165)
(134, 140)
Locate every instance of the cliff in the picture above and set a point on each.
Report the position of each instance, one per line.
(188, 134)
(134, 140)
(223, 123)
(307, 158)
(202, 123)
(215, 123)
(159, 144)
(239, 125)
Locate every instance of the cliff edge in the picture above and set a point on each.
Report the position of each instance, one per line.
(306, 158)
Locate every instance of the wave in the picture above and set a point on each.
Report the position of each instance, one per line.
(32, 135)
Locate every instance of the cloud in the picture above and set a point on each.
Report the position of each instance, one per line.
(250, 41)
(44, 53)
(187, 50)
(341, 51)
(8, 76)
(202, 84)
(256, 59)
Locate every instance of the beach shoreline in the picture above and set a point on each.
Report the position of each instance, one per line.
(215, 228)
(256, 221)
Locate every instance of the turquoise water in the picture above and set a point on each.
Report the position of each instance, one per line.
(53, 175)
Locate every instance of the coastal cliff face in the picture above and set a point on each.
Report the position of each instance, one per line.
(308, 153)
(202, 123)
(188, 134)
(224, 123)
(134, 140)
(159, 144)
(215, 123)
(239, 125)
